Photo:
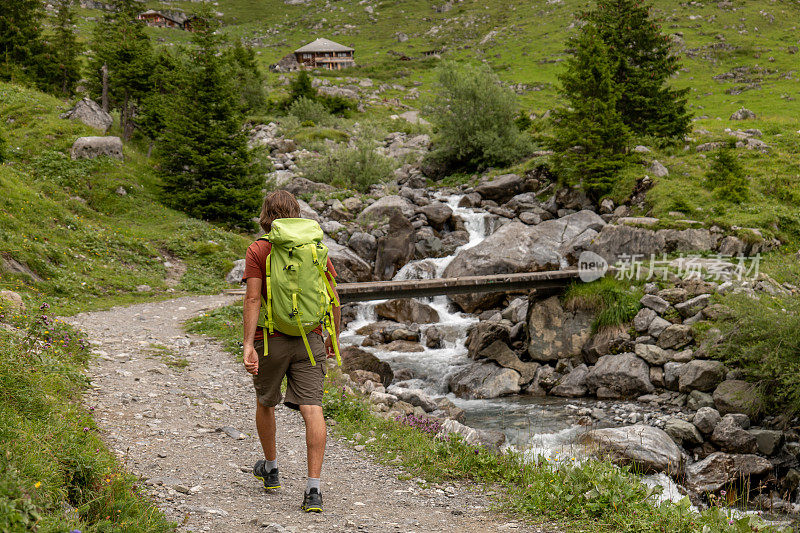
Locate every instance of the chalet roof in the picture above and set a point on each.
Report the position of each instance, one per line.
(175, 17)
(324, 45)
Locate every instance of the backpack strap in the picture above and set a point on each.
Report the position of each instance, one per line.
(330, 327)
(323, 270)
(296, 314)
(266, 305)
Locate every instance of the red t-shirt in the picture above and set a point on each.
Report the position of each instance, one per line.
(255, 266)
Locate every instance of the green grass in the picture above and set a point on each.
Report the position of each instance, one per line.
(586, 496)
(613, 302)
(87, 245)
(57, 474)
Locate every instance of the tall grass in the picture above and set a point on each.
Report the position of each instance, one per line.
(613, 302)
(55, 472)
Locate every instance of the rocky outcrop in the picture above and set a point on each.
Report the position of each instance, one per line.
(234, 277)
(621, 242)
(94, 147)
(407, 310)
(555, 332)
(480, 381)
(388, 205)
(500, 353)
(648, 447)
(11, 302)
(517, 247)
(573, 385)
(737, 396)
(501, 188)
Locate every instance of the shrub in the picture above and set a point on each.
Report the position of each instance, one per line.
(612, 301)
(727, 178)
(474, 116)
(356, 168)
(761, 338)
(308, 110)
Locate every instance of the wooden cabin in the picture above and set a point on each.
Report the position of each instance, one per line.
(160, 19)
(324, 53)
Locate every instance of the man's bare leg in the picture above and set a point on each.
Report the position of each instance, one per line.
(315, 438)
(265, 424)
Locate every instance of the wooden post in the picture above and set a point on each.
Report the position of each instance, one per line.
(104, 72)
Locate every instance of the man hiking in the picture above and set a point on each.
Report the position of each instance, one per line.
(294, 249)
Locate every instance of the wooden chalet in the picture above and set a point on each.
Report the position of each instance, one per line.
(324, 53)
(160, 19)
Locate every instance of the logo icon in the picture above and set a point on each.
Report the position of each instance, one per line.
(591, 266)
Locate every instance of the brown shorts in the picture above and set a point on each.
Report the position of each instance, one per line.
(288, 357)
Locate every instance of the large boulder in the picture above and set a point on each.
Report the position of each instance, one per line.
(621, 242)
(623, 375)
(737, 396)
(388, 205)
(349, 266)
(500, 353)
(675, 336)
(93, 147)
(90, 113)
(706, 419)
(701, 374)
(720, 469)
(486, 332)
(555, 332)
(648, 447)
(573, 385)
(501, 188)
(396, 248)
(407, 310)
(688, 240)
(354, 358)
(299, 185)
(731, 437)
(437, 214)
(517, 247)
(484, 380)
(415, 397)
(364, 244)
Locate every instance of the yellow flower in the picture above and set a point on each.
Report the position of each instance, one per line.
(38, 484)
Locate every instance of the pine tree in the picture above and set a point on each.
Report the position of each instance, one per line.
(643, 63)
(167, 78)
(591, 137)
(203, 150)
(21, 44)
(248, 78)
(301, 87)
(64, 50)
(120, 43)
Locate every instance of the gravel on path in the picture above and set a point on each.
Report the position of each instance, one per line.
(166, 423)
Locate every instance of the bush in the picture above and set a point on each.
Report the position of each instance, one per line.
(612, 301)
(727, 178)
(475, 120)
(356, 168)
(761, 338)
(308, 110)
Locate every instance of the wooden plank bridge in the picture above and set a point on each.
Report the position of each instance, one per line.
(415, 288)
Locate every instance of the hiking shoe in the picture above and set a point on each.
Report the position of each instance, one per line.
(271, 479)
(312, 501)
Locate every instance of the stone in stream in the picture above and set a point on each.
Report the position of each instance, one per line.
(517, 247)
(500, 353)
(573, 385)
(407, 310)
(720, 469)
(486, 332)
(625, 375)
(501, 188)
(396, 248)
(683, 432)
(484, 380)
(349, 266)
(648, 447)
(706, 419)
(354, 358)
(437, 214)
(731, 437)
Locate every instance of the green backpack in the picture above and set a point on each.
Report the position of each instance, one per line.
(299, 296)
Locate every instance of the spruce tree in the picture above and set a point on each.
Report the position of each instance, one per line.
(248, 78)
(21, 45)
(203, 150)
(301, 87)
(120, 43)
(591, 137)
(64, 50)
(643, 62)
(167, 78)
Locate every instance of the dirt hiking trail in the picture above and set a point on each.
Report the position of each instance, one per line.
(164, 421)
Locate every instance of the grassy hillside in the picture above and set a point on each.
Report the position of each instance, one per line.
(88, 233)
(734, 54)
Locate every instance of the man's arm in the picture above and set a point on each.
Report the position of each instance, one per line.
(252, 306)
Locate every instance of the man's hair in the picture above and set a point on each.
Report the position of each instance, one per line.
(278, 204)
